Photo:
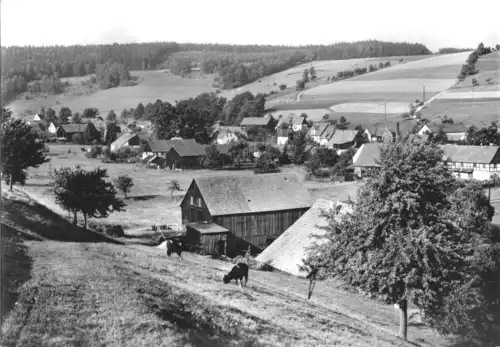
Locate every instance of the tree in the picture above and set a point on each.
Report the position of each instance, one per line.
(64, 115)
(78, 139)
(295, 149)
(91, 112)
(266, 164)
(411, 238)
(124, 114)
(322, 157)
(312, 72)
(21, 149)
(305, 76)
(258, 106)
(124, 184)
(282, 86)
(240, 152)
(213, 157)
(50, 116)
(76, 118)
(342, 124)
(91, 134)
(174, 186)
(78, 190)
(112, 130)
(139, 111)
(111, 116)
(341, 167)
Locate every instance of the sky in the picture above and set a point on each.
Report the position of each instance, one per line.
(435, 23)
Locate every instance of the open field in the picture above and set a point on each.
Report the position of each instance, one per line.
(150, 200)
(152, 85)
(488, 76)
(469, 111)
(324, 69)
(88, 293)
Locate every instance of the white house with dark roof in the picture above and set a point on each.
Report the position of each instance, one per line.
(343, 140)
(287, 252)
(454, 132)
(255, 209)
(125, 140)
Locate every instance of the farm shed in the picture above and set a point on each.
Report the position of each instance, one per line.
(212, 238)
(126, 139)
(68, 130)
(254, 121)
(342, 140)
(255, 209)
(185, 155)
(288, 251)
(162, 147)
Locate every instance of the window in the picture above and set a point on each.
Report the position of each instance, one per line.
(198, 202)
(191, 200)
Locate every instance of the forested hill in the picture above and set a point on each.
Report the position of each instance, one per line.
(22, 65)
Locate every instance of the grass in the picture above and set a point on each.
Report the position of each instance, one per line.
(488, 75)
(91, 294)
(479, 112)
(152, 85)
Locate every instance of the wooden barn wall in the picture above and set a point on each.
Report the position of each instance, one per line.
(209, 241)
(255, 229)
(192, 213)
(171, 158)
(191, 162)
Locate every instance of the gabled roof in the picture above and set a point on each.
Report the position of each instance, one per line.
(298, 120)
(226, 195)
(74, 127)
(470, 154)
(319, 128)
(366, 155)
(249, 121)
(188, 148)
(448, 128)
(287, 252)
(123, 139)
(343, 136)
(328, 132)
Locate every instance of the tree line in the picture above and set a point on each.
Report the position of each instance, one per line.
(469, 68)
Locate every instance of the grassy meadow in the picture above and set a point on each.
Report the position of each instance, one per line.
(93, 292)
(150, 201)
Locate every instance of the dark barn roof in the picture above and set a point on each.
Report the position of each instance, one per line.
(226, 195)
(470, 154)
(74, 127)
(181, 145)
(187, 148)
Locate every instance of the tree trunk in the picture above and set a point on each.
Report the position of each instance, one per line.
(74, 218)
(11, 183)
(403, 319)
(84, 221)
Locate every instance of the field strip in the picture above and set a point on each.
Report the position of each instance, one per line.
(469, 95)
(390, 107)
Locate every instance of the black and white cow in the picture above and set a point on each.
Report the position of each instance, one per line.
(238, 272)
(174, 247)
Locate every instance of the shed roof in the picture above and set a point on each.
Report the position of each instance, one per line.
(343, 136)
(188, 148)
(208, 228)
(226, 195)
(74, 127)
(255, 121)
(287, 252)
(470, 154)
(166, 145)
(123, 139)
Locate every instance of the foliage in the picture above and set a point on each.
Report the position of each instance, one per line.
(266, 164)
(112, 131)
(90, 112)
(78, 190)
(321, 157)
(21, 149)
(111, 75)
(483, 136)
(282, 86)
(76, 118)
(126, 153)
(240, 153)
(78, 139)
(412, 237)
(124, 183)
(343, 163)
(111, 116)
(214, 158)
(91, 134)
(296, 148)
(64, 115)
(174, 186)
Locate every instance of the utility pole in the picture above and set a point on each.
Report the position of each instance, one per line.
(423, 95)
(385, 112)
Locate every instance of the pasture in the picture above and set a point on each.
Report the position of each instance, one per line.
(150, 201)
(152, 85)
(133, 295)
(469, 111)
(488, 76)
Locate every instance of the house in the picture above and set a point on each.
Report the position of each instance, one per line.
(124, 128)
(212, 237)
(326, 135)
(185, 154)
(282, 136)
(32, 118)
(68, 130)
(124, 140)
(342, 140)
(52, 128)
(287, 252)
(379, 133)
(317, 130)
(255, 209)
(254, 121)
(472, 162)
(225, 135)
(145, 125)
(454, 132)
(299, 124)
(365, 159)
(162, 147)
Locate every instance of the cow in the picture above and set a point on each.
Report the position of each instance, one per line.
(174, 247)
(238, 272)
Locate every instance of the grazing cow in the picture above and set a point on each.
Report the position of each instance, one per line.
(237, 273)
(174, 247)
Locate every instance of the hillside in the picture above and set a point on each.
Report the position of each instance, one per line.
(93, 293)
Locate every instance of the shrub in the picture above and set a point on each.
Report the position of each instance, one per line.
(78, 139)
(282, 86)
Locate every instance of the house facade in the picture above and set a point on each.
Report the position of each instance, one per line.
(185, 155)
(67, 131)
(299, 124)
(343, 140)
(255, 209)
(124, 141)
(317, 130)
(282, 136)
(454, 132)
(472, 162)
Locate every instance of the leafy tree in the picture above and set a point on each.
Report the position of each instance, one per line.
(124, 114)
(111, 116)
(106, 151)
(6, 113)
(240, 152)
(21, 149)
(112, 131)
(266, 164)
(91, 112)
(78, 190)
(91, 134)
(312, 72)
(342, 124)
(322, 157)
(174, 186)
(76, 118)
(64, 115)
(341, 167)
(78, 139)
(50, 116)
(295, 149)
(305, 76)
(213, 157)
(411, 239)
(483, 136)
(124, 183)
(139, 111)
(258, 106)
(440, 137)
(282, 86)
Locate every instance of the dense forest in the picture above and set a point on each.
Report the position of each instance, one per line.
(450, 50)
(41, 68)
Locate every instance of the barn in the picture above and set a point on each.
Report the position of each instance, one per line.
(68, 130)
(255, 209)
(185, 154)
(288, 251)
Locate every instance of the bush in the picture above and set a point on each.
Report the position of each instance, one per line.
(282, 86)
(114, 230)
(78, 139)
(125, 153)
